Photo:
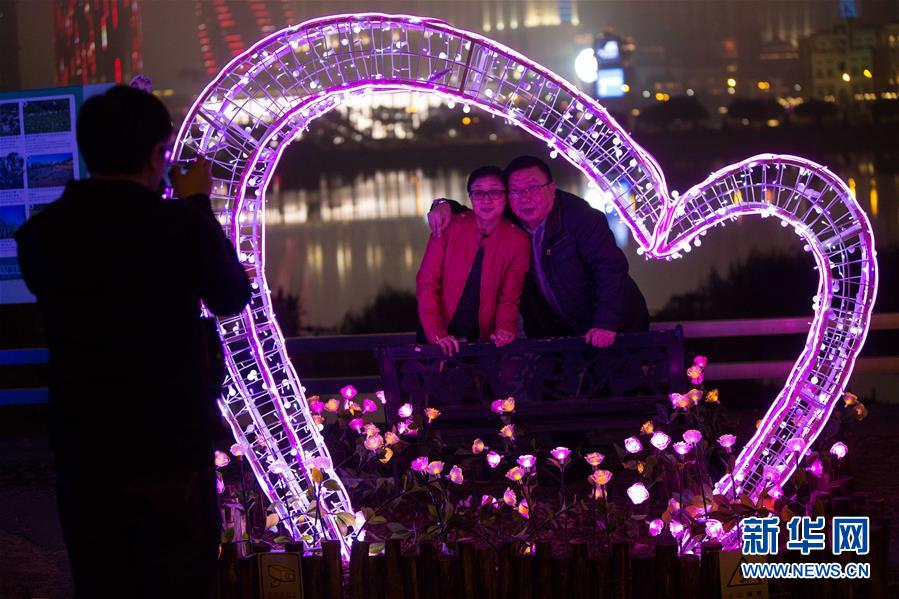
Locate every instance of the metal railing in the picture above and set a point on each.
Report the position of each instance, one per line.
(709, 329)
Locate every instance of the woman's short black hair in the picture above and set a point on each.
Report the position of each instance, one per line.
(523, 162)
(118, 130)
(485, 171)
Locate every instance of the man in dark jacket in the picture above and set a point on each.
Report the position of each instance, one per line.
(119, 274)
(578, 283)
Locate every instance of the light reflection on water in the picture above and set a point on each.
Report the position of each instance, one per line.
(338, 245)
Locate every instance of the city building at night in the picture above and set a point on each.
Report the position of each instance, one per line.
(97, 41)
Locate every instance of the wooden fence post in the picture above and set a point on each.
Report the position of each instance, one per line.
(710, 571)
(688, 578)
(359, 574)
(643, 577)
(312, 576)
(428, 570)
(468, 569)
(582, 575)
(393, 568)
(332, 570)
(620, 571)
(487, 572)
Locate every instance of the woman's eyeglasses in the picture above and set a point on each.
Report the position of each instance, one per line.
(482, 195)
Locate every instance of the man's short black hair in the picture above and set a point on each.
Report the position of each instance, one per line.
(118, 130)
(523, 162)
(485, 171)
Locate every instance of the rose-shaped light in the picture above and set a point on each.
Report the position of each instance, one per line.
(713, 529)
(381, 396)
(692, 436)
(509, 497)
(503, 406)
(676, 528)
(594, 459)
(221, 459)
(373, 442)
(405, 410)
(238, 449)
(391, 438)
(681, 448)
(515, 474)
(527, 461)
(600, 477)
(700, 361)
(419, 464)
(508, 431)
(633, 445)
(796, 444)
(659, 440)
(488, 500)
(656, 527)
(637, 493)
(561, 454)
(356, 424)
(348, 392)
(435, 468)
(455, 475)
(816, 468)
(477, 446)
(839, 450)
(727, 441)
(369, 406)
(493, 459)
(432, 414)
(647, 428)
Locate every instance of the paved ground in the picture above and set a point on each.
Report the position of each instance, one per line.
(32, 556)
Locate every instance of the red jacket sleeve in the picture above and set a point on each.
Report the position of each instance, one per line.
(512, 284)
(429, 287)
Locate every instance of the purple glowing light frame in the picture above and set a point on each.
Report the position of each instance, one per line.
(263, 98)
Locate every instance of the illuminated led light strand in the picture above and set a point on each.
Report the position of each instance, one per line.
(321, 63)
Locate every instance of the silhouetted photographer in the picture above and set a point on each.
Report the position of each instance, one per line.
(119, 275)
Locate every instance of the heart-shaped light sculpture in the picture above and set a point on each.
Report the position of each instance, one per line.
(263, 98)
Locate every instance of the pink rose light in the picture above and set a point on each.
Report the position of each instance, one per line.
(695, 396)
(660, 440)
(681, 448)
(493, 459)
(370, 429)
(391, 438)
(692, 436)
(637, 493)
(701, 361)
(695, 374)
(332, 405)
(503, 406)
(508, 432)
(238, 449)
(221, 459)
(348, 392)
(477, 446)
(523, 509)
(435, 468)
(527, 461)
(356, 424)
(369, 406)
(796, 445)
(488, 500)
(680, 401)
(419, 464)
(381, 397)
(432, 414)
(839, 450)
(561, 454)
(594, 459)
(455, 475)
(633, 445)
(817, 468)
(321, 462)
(656, 527)
(317, 407)
(374, 442)
(405, 410)
(509, 497)
(676, 528)
(713, 529)
(515, 474)
(727, 441)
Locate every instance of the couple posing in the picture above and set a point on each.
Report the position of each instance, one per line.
(551, 253)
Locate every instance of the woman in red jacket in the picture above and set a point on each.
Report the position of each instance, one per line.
(471, 276)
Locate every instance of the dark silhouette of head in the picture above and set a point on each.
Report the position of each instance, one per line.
(121, 131)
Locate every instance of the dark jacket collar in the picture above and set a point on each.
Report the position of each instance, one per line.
(118, 189)
(554, 218)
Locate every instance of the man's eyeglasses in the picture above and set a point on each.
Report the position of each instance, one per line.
(482, 195)
(527, 191)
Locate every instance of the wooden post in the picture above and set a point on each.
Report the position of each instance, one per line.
(666, 570)
(688, 579)
(312, 576)
(620, 571)
(601, 584)
(376, 577)
(428, 570)
(507, 574)
(561, 568)
(545, 580)
(359, 574)
(487, 572)
(228, 579)
(582, 575)
(526, 568)
(449, 580)
(643, 577)
(468, 569)
(332, 570)
(393, 568)
(710, 571)
(410, 575)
